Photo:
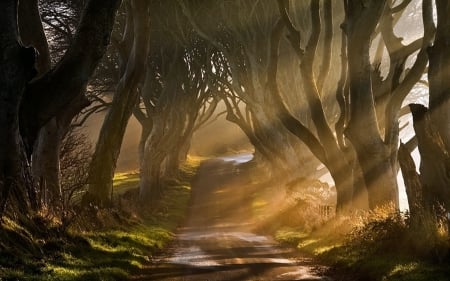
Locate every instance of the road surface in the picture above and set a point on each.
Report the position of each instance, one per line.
(217, 242)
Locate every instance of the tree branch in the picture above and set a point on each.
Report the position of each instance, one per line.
(46, 97)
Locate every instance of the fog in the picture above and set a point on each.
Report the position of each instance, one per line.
(128, 158)
(219, 137)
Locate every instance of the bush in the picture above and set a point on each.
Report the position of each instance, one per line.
(388, 231)
(380, 231)
(306, 200)
(75, 156)
(429, 234)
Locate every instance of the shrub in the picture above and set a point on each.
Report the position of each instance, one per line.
(388, 231)
(75, 155)
(306, 200)
(379, 231)
(429, 233)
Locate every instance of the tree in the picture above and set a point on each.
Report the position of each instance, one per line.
(439, 74)
(377, 152)
(326, 147)
(60, 19)
(176, 87)
(238, 30)
(25, 108)
(366, 134)
(431, 188)
(133, 52)
(75, 155)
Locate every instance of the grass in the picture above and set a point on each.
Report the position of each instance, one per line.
(351, 262)
(369, 246)
(114, 252)
(124, 182)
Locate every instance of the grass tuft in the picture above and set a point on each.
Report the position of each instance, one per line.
(375, 247)
(114, 249)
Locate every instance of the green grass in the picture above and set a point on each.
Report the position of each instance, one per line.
(111, 253)
(125, 181)
(355, 264)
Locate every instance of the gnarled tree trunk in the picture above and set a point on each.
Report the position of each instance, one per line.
(107, 150)
(42, 99)
(439, 74)
(372, 153)
(16, 69)
(435, 159)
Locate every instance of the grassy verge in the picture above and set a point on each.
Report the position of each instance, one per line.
(122, 246)
(380, 245)
(352, 259)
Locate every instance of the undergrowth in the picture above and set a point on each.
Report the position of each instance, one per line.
(377, 245)
(106, 244)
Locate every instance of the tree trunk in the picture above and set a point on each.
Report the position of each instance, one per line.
(41, 100)
(413, 185)
(155, 151)
(16, 69)
(45, 167)
(46, 160)
(343, 180)
(439, 74)
(50, 94)
(362, 130)
(276, 139)
(32, 33)
(324, 146)
(360, 195)
(146, 129)
(104, 160)
(435, 159)
(46, 154)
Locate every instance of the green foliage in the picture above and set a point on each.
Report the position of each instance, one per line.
(384, 230)
(432, 228)
(19, 250)
(122, 245)
(379, 246)
(108, 255)
(124, 182)
(290, 236)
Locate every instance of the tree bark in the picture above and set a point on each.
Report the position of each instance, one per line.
(435, 159)
(39, 101)
(439, 73)
(16, 69)
(45, 158)
(155, 151)
(46, 155)
(50, 94)
(362, 130)
(413, 185)
(325, 146)
(32, 33)
(103, 164)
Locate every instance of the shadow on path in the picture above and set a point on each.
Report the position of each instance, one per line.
(217, 242)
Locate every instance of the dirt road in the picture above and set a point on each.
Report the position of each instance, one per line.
(217, 242)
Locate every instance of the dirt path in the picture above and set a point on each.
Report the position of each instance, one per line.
(217, 242)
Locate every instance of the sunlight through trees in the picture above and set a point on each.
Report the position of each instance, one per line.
(354, 91)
